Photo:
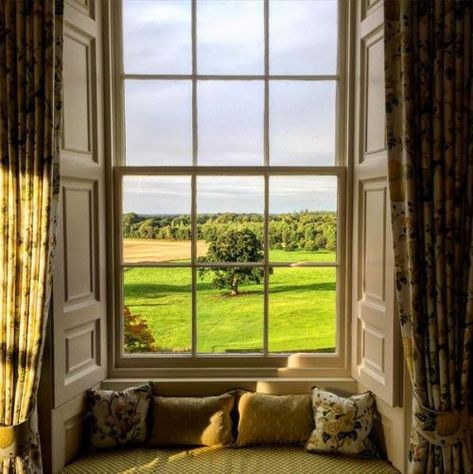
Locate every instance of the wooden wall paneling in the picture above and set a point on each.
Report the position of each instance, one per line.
(376, 352)
(79, 291)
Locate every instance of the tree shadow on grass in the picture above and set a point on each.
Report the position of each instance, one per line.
(227, 294)
(155, 291)
(325, 286)
(149, 305)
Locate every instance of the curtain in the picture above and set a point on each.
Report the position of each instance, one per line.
(30, 106)
(429, 105)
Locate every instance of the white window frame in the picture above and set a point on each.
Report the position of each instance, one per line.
(189, 365)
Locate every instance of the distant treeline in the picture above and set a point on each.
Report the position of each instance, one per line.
(289, 231)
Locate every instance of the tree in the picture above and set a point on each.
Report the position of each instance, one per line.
(234, 244)
(128, 222)
(148, 228)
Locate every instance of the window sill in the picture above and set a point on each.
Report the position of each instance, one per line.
(199, 386)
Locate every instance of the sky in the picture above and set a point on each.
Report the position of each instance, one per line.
(239, 194)
(158, 113)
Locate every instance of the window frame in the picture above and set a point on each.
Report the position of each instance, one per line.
(233, 365)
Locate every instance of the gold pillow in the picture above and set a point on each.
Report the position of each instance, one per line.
(193, 421)
(274, 419)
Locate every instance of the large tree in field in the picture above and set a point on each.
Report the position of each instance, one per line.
(234, 244)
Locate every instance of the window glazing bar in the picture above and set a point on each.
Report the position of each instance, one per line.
(231, 77)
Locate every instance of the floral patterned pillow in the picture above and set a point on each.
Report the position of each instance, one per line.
(342, 425)
(118, 417)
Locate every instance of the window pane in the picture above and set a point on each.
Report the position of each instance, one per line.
(157, 310)
(156, 223)
(303, 218)
(158, 118)
(230, 321)
(157, 37)
(302, 310)
(230, 218)
(303, 36)
(230, 123)
(230, 37)
(302, 123)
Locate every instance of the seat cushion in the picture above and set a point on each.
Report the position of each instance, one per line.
(216, 460)
(192, 421)
(274, 419)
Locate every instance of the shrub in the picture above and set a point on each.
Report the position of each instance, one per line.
(138, 337)
(310, 246)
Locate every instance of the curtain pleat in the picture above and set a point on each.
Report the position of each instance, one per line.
(30, 123)
(429, 105)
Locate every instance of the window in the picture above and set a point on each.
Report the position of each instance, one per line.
(230, 193)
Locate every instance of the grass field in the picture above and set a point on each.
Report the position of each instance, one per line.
(301, 307)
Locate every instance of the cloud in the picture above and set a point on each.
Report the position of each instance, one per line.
(217, 194)
(157, 36)
(303, 36)
(230, 37)
(157, 39)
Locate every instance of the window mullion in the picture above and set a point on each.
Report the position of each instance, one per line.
(266, 266)
(231, 77)
(194, 262)
(195, 141)
(195, 151)
(266, 179)
(266, 83)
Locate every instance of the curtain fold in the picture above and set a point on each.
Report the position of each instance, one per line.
(429, 114)
(30, 123)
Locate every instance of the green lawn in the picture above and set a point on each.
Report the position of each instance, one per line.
(301, 308)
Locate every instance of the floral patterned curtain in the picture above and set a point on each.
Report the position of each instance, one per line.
(429, 103)
(30, 106)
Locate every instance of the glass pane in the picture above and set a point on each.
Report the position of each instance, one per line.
(230, 37)
(230, 123)
(302, 310)
(302, 123)
(157, 37)
(157, 310)
(230, 310)
(303, 219)
(158, 118)
(230, 218)
(303, 36)
(156, 224)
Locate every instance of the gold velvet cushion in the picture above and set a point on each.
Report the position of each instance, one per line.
(342, 424)
(192, 421)
(118, 418)
(274, 419)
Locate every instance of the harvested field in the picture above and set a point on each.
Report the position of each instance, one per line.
(154, 251)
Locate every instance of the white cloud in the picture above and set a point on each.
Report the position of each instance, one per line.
(157, 38)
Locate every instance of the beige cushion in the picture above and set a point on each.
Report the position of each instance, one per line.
(118, 418)
(274, 419)
(342, 425)
(192, 421)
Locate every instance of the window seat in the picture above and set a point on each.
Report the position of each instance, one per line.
(281, 460)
